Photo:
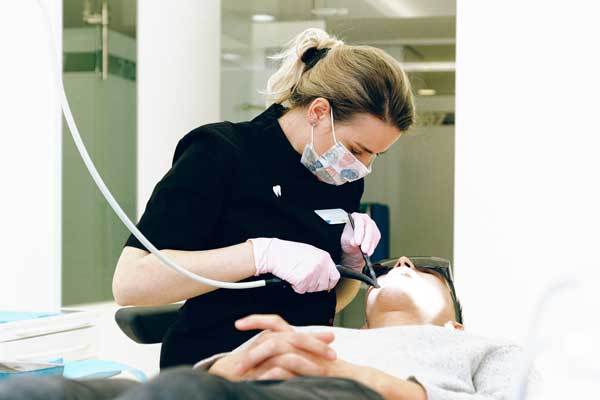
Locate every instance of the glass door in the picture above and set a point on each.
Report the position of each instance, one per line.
(100, 81)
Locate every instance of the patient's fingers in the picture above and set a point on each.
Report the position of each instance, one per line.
(276, 373)
(291, 343)
(261, 352)
(294, 364)
(326, 337)
(257, 321)
(274, 323)
(316, 343)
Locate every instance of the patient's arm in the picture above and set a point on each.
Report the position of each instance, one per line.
(493, 379)
(282, 353)
(267, 358)
(390, 387)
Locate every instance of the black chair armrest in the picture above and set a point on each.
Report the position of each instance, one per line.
(146, 325)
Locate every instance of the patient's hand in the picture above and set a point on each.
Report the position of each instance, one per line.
(293, 364)
(282, 353)
(279, 352)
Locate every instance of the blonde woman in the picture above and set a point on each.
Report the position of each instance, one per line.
(241, 199)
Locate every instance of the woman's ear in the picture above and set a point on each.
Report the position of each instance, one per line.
(318, 109)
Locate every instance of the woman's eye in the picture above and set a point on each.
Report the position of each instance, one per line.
(355, 152)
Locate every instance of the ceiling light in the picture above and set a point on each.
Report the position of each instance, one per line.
(426, 92)
(230, 56)
(429, 66)
(329, 12)
(393, 8)
(262, 18)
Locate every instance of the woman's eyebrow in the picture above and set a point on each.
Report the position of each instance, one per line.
(363, 148)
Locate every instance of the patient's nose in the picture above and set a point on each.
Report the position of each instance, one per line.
(404, 262)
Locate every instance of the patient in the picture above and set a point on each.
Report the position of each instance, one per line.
(411, 347)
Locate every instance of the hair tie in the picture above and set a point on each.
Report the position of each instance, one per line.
(312, 55)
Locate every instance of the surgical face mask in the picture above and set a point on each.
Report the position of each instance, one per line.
(337, 165)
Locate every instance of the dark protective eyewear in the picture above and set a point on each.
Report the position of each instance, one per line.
(427, 264)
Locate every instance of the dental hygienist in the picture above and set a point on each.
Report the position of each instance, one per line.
(250, 199)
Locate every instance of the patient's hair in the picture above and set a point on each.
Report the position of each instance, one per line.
(354, 79)
(459, 312)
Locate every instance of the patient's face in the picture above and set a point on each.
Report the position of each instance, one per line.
(423, 294)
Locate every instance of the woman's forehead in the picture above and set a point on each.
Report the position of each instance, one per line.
(371, 132)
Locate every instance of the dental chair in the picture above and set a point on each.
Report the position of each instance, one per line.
(148, 325)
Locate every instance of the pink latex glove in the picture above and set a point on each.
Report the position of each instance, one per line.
(365, 236)
(305, 267)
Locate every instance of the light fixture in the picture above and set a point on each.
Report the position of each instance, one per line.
(429, 66)
(329, 12)
(230, 56)
(262, 18)
(394, 8)
(426, 92)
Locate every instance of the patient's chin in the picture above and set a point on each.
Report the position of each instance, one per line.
(393, 298)
(409, 294)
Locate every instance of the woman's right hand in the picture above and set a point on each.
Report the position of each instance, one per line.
(305, 267)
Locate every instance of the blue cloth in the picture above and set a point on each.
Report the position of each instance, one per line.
(94, 369)
(43, 369)
(83, 369)
(12, 316)
(99, 369)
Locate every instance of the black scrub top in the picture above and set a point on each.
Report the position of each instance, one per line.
(219, 192)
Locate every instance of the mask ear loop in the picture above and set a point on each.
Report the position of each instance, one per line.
(332, 127)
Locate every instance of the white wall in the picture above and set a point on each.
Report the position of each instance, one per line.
(30, 143)
(178, 80)
(527, 165)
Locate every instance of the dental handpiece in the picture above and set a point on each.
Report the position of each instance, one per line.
(367, 258)
(344, 273)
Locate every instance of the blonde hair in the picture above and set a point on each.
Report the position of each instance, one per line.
(354, 79)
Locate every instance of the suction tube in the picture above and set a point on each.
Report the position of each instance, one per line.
(66, 109)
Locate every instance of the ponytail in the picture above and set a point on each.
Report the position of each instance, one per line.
(283, 82)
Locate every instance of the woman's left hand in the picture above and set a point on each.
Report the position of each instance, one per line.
(365, 236)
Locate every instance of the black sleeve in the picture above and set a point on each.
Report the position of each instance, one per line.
(186, 204)
(360, 189)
